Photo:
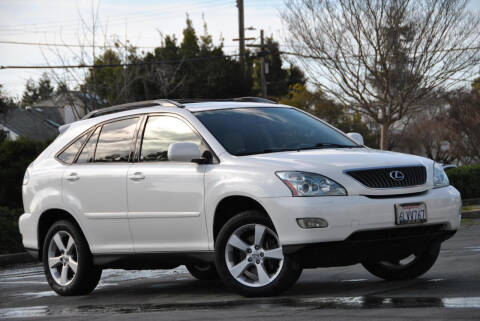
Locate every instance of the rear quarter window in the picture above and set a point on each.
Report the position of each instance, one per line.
(68, 155)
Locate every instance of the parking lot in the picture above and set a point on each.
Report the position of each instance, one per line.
(451, 290)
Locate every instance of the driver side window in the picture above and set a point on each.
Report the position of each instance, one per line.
(160, 132)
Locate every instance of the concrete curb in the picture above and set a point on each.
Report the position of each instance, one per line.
(471, 214)
(15, 258)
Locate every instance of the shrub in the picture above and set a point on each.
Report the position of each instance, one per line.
(15, 156)
(10, 239)
(466, 179)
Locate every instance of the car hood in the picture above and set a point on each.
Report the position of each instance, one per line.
(333, 162)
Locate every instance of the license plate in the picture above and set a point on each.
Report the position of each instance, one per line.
(412, 213)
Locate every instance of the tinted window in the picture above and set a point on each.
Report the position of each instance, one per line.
(68, 155)
(88, 151)
(244, 131)
(162, 131)
(115, 140)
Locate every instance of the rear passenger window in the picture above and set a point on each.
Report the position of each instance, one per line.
(88, 153)
(68, 155)
(115, 141)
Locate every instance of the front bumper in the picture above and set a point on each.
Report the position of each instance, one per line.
(373, 245)
(349, 214)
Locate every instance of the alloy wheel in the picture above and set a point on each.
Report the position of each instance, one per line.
(62, 258)
(254, 255)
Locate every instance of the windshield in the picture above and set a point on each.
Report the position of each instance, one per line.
(247, 131)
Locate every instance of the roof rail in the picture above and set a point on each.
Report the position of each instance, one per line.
(255, 100)
(130, 106)
(244, 99)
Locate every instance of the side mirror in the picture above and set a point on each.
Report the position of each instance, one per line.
(356, 137)
(183, 152)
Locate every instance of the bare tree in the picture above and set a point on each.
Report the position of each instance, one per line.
(100, 85)
(383, 57)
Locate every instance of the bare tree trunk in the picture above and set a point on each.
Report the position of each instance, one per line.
(384, 136)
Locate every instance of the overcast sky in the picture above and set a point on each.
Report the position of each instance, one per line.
(58, 21)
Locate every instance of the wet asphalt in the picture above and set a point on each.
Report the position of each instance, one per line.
(449, 291)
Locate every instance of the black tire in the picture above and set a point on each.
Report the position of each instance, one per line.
(286, 278)
(393, 271)
(87, 276)
(203, 272)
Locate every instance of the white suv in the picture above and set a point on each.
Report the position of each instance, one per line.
(245, 190)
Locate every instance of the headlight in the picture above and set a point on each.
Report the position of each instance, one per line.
(308, 184)
(440, 179)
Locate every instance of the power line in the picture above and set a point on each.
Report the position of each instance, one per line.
(118, 65)
(66, 45)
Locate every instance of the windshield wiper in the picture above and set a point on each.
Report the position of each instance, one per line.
(267, 151)
(329, 145)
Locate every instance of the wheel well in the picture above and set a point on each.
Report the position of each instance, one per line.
(47, 219)
(231, 206)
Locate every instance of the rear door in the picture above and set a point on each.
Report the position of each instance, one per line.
(165, 198)
(95, 185)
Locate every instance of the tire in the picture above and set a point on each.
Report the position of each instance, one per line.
(261, 273)
(85, 279)
(420, 264)
(203, 272)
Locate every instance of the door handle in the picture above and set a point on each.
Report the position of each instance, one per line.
(137, 176)
(72, 177)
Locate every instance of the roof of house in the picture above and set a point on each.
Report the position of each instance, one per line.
(32, 124)
(61, 100)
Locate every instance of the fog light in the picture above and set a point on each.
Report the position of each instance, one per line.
(311, 222)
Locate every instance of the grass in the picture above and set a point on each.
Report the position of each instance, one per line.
(470, 207)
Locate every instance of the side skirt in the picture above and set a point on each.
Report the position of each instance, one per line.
(155, 260)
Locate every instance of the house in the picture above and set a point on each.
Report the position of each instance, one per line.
(41, 121)
(70, 105)
(30, 123)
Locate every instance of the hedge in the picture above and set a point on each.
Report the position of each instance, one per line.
(15, 156)
(10, 238)
(466, 179)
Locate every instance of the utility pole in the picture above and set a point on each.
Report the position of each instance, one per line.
(262, 66)
(241, 34)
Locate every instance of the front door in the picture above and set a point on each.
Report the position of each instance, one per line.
(165, 198)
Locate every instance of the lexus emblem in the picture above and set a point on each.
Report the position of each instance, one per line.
(397, 175)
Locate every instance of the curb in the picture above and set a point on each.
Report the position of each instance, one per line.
(15, 258)
(471, 214)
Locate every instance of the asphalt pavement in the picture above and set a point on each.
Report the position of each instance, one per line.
(450, 290)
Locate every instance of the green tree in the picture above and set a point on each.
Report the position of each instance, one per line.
(37, 91)
(278, 78)
(5, 102)
(106, 82)
(476, 85)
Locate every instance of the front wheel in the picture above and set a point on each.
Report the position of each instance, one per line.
(250, 259)
(67, 261)
(407, 268)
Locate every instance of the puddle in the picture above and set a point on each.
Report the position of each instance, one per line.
(36, 311)
(40, 294)
(354, 280)
(360, 302)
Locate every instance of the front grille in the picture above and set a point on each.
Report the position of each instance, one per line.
(382, 178)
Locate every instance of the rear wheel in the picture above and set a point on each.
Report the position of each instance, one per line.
(67, 261)
(407, 268)
(204, 271)
(250, 259)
